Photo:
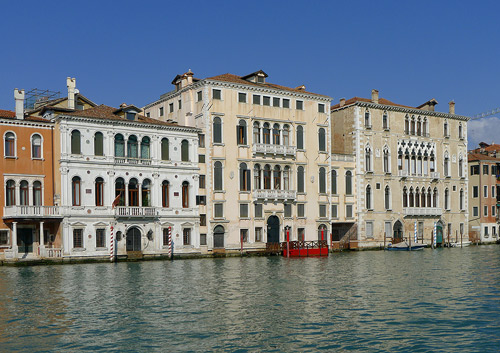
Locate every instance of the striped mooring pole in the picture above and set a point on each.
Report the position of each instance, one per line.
(415, 232)
(170, 241)
(112, 245)
(434, 234)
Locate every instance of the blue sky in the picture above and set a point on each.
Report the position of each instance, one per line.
(130, 51)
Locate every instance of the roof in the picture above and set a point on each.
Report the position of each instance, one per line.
(59, 100)
(382, 101)
(9, 114)
(489, 148)
(481, 157)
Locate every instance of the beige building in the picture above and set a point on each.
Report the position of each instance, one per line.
(411, 169)
(265, 164)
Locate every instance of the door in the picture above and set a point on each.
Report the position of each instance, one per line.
(219, 237)
(134, 239)
(398, 232)
(273, 229)
(25, 240)
(439, 234)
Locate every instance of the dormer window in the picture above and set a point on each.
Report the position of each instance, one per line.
(130, 116)
(261, 79)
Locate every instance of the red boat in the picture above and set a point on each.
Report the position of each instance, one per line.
(304, 248)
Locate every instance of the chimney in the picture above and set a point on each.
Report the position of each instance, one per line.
(189, 75)
(123, 105)
(19, 97)
(374, 96)
(342, 102)
(71, 83)
(452, 107)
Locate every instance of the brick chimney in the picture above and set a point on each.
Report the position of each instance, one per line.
(71, 84)
(452, 107)
(19, 98)
(374, 96)
(342, 102)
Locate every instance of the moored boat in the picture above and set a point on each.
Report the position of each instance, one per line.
(405, 246)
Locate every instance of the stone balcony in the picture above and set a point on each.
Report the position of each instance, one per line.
(406, 174)
(268, 194)
(423, 211)
(274, 149)
(135, 211)
(129, 160)
(31, 212)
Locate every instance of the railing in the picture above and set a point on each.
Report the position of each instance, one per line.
(132, 211)
(406, 173)
(51, 252)
(311, 244)
(274, 149)
(31, 211)
(130, 160)
(423, 211)
(274, 194)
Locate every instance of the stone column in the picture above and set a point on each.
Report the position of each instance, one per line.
(14, 239)
(139, 187)
(126, 194)
(41, 244)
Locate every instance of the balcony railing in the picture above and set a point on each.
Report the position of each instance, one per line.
(405, 174)
(130, 160)
(133, 211)
(32, 211)
(423, 211)
(274, 149)
(274, 194)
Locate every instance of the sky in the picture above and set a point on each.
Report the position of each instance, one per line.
(129, 51)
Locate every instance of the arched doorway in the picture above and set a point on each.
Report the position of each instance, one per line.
(322, 232)
(397, 232)
(219, 237)
(439, 233)
(133, 239)
(273, 229)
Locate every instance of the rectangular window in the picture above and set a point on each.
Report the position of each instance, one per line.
(201, 140)
(242, 97)
(258, 210)
(258, 234)
(321, 108)
(475, 191)
(301, 234)
(244, 235)
(299, 105)
(171, 107)
(493, 210)
(388, 229)
(335, 211)
(216, 94)
(4, 237)
(494, 231)
(369, 229)
(300, 210)
(348, 211)
(485, 193)
(266, 100)
(256, 99)
(286, 103)
(322, 211)
(288, 210)
(475, 211)
(165, 236)
(180, 103)
(199, 96)
(148, 115)
(161, 111)
(276, 102)
(100, 238)
(203, 239)
(485, 169)
(201, 199)
(486, 211)
(486, 231)
(493, 191)
(420, 230)
(186, 236)
(77, 238)
(203, 219)
(201, 158)
(474, 170)
(243, 210)
(201, 182)
(218, 210)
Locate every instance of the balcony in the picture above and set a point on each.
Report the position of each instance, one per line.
(274, 149)
(134, 211)
(129, 160)
(269, 194)
(435, 175)
(423, 211)
(406, 174)
(403, 173)
(31, 212)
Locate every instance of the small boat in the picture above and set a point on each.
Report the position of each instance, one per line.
(405, 246)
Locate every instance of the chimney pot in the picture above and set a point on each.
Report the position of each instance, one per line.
(71, 84)
(374, 96)
(19, 98)
(452, 107)
(342, 102)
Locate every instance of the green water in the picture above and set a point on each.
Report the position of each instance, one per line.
(434, 300)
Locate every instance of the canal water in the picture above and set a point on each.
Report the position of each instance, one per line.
(441, 300)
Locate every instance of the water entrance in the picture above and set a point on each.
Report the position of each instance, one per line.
(134, 239)
(273, 229)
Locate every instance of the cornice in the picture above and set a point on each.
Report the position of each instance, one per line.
(40, 124)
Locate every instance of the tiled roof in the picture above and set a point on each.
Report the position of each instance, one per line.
(483, 157)
(59, 100)
(382, 101)
(489, 148)
(238, 79)
(7, 114)
(12, 115)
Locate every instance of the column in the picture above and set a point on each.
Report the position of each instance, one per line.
(30, 195)
(261, 133)
(42, 241)
(139, 187)
(14, 238)
(126, 194)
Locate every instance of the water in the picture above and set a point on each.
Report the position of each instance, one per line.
(433, 300)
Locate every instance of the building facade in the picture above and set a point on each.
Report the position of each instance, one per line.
(265, 163)
(411, 169)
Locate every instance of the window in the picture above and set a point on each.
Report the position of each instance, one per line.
(185, 151)
(146, 193)
(485, 169)
(201, 158)
(241, 132)
(287, 210)
(368, 124)
(322, 140)
(243, 210)
(98, 144)
(335, 213)
(300, 179)
(256, 99)
(387, 161)
(24, 193)
(36, 146)
(407, 125)
(493, 211)
(258, 210)
(475, 211)
(485, 211)
(257, 175)
(180, 103)
(385, 121)
(368, 197)
(286, 178)
(301, 234)
(286, 103)
(203, 219)
(132, 147)
(299, 105)
(119, 146)
(460, 166)
(133, 192)
(201, 182)
(348, 211)
(185, 194)
(300, 137)
(256, 132)
(322, 180)
(170, 108)
(37, 193)
(218, 210)
(120, 191)
(244, 235)
(321, 108)
(334, 182)
(348, 182)
(203, 239)
(4, 237)
(201, 199)
(493, 191)
(201, 140)
(145, 148)
(301, 210)
(216, 94)
(199, 96)
(322, 211)
(368, 159)
(445, 129)
(266, 133)
(99, 192)
(475, 191)
(186, 236)
(244, 177)
(277, 177)
(161, 111)
(75, 142)
(10, 144)
(258, 234)
(460, 132)
(242, 97)
(267, 177)
(461, 199)
(485, 191)
(217, 176)
(276, 134)
(486, 232)
(76, 192)
(165, 149)
(387, 198)
(77, 238)
(165, 236)
(100, 238)
(446, 165)
(446, 199)
(286, 135)
(266, 100)
(217, 130)
(165, 190)
(369, 229)
(276, 102)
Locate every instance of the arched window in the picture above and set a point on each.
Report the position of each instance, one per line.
(368, 159)
(10, 144)
(446, 164)
(277, 177)
(322, 140)
(256, 177)
(426, 164)
(36, 146)
(145, 148)
(300, 137)
(98, 144)
(256, 132)
(132, 148)
(460, 131)
(413, 125)
(385, 121)
(446, 199)
(322, 232)
(405, 197)
(387, 198)
(446, 133)
(266, 134)
(165, 153)
(76, 191)
(241, 132)
(276, 134)
(419, 127)
(120, 192)
(411, 198)
(24, 193)
(348, 182)
(429, 197)
(460, 166)
(368, 197)
(286, 178)
(244, 177)
(419, 164)
(119, 146)
(417, 197)
(286, 135)
(146, 193)
(432, 164)
(413, 163)
(461, 199)
(334, 182)
(133, 192)
(407, 162)
(185, 194)
(10, 193)
(217, 130)
(422, 198)
(300, 179)
(368, 124)
(165, 199)
(407, 125)
(217, 176)
(386, 160)
(435, 198)
(37, 193)
(322, 180)
(400, 160)
(424, 127)
(99, 192)
(185, 151)
(75, 142)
